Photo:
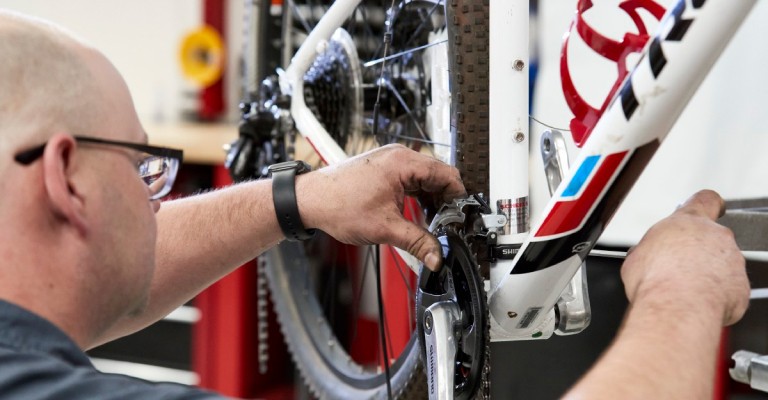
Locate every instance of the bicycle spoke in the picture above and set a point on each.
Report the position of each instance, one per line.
(330, 297)
(402, 53)
(305, 24)
(403, 277)
(424, 20)
(403, 104)
(382, 327)
(390, 348)
(355, 306)
(352, 23)
(366, 26)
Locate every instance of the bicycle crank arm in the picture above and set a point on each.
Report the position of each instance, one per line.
(452, 323)
(439, 322)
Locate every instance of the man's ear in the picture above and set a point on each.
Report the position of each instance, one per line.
(63, 196)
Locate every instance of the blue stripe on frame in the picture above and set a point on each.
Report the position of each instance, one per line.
(585, 169)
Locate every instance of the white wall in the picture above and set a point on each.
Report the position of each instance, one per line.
(719, 142)
(142, 38)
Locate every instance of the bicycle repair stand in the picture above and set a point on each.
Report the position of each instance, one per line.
(748, 219)
(751, 369)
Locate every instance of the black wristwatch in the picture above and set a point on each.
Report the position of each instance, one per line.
(284, 196)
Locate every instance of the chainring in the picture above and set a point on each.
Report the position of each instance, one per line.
(459, 281)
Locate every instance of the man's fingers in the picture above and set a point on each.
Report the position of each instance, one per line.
(706, 203)
(417, 241)
(433, 176)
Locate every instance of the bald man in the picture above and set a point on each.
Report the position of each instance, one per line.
(89, 255)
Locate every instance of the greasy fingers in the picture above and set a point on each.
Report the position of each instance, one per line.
(361, 200)
(417, 241)
(424, 174)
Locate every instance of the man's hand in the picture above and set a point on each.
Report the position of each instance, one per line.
(685, 280)
(361, 200)
(689, 260)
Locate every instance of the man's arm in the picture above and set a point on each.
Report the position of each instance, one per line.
(202, 238)
(685, 280)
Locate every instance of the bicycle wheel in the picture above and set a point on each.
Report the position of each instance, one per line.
(319, 288)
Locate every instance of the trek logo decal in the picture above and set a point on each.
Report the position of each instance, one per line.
(656, 57)
(582, 194)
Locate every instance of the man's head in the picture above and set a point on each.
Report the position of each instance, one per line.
(46, 84)
(82, 205)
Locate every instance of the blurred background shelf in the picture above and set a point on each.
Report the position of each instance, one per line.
(202, 142)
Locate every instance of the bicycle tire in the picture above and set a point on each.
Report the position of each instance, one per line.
(325, 367)
(469, 91)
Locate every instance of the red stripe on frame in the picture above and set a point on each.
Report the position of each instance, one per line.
(568, 215)
(316, 151)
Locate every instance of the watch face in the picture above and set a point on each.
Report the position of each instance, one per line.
(299, 166)
(303, 167)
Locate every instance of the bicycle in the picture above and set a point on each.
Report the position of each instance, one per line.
(413, 74)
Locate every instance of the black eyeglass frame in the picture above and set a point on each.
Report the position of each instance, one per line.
(173, 156)
(27, 157)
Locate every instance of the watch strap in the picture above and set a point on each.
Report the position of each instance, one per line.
(286, 206)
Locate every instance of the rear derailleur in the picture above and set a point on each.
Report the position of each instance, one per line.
(266, 133)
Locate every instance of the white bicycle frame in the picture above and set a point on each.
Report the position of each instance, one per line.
(524, 290)
(292, 81)
(628, 133)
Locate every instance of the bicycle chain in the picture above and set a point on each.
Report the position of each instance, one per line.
(262, 315)
(484, 391)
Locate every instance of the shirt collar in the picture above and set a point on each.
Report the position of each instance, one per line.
(24, 331)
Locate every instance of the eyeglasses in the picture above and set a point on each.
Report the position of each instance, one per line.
(157, 166)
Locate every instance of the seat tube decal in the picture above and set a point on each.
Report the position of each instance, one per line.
(574, 223)
(581, 195)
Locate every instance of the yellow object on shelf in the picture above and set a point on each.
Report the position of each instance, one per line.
(202, 56)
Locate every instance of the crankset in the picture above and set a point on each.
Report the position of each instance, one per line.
(452, 313)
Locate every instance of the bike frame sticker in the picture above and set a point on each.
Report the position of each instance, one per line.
(516, 211)
(584, 171)
(589, 212)
(584, 189)
(529, 317)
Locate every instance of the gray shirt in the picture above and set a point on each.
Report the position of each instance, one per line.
(39, 361)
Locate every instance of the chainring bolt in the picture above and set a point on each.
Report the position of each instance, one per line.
(428, 323)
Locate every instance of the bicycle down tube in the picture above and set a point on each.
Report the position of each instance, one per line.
(688, 42)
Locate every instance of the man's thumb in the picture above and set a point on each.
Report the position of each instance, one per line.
(706, 203)
(419, 242)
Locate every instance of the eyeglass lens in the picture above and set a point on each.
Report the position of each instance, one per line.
(158, 173)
